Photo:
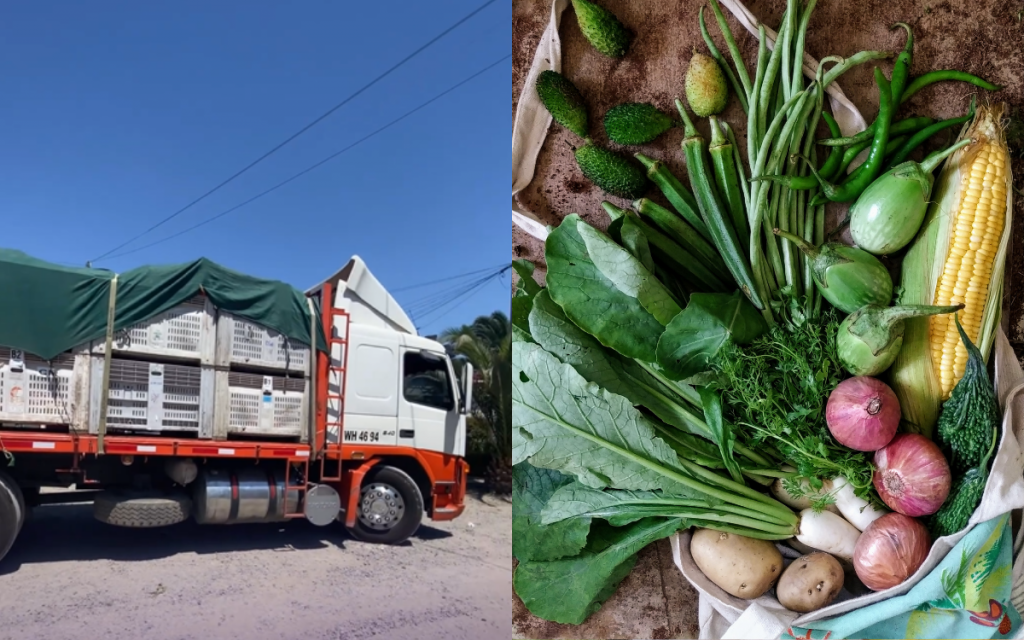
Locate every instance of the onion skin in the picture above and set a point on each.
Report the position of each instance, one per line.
(862, 413)
(890, 551)
(911, 475)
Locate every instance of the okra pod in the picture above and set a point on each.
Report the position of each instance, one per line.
(677, 195)
(724, 164)
(714, 214)
(683, 234)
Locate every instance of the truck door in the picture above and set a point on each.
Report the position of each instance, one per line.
(428, 416)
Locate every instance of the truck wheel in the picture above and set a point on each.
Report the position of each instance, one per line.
(11, 512)
(141, 510)
(390, 507)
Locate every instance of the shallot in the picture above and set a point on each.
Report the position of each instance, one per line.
(862, 413)
(911, 475)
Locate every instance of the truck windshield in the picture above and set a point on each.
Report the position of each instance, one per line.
(427, 382)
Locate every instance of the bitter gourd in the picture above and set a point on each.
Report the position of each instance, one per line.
(963, 499)
(970, 414)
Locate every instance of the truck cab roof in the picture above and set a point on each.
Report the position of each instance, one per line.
(367, 302)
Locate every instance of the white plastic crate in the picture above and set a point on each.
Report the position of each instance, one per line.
(185, 331)
(264, 405)
(33, 390)
(253, 345)
(150, 396)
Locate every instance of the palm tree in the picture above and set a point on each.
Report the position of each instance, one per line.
(487, 344)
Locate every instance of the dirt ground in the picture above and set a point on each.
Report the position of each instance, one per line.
(985, 37)
(70, 576)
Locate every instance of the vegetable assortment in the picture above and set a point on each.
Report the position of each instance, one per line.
(719, 364)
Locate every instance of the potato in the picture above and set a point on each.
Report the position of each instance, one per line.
(810, 583)
(743, 567)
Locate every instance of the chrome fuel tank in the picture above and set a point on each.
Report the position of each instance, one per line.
(245, 495)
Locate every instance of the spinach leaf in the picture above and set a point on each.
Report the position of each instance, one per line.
(570, 344)
(592, 301)
(695, 335)
(533, 539)
(562, 422)
(571, 589)
(526, 286)
(628, 274)
(574, 501)
(721, 434)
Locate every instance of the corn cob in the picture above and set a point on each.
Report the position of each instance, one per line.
(958, 257)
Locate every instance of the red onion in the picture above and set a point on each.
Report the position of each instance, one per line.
(862, 413)
(890, 550)
(911, 475)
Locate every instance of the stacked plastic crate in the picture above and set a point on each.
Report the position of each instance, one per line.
(262, 382)
(195, 371)
(35, 393)
(161, 374)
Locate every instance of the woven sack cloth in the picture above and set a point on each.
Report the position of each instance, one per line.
(725, 616)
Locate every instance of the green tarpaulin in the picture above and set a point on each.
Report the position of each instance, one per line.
(46, 308)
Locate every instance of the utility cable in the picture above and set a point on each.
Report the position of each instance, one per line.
(445, 294)
(314, 166)
(442, 280)
(454, 303)
(423, 311)
(300, 131)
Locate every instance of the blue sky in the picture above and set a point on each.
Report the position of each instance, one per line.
(117, 114)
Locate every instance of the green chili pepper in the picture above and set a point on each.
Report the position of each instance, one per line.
(851, 189)
(915, 141)
(922, 81)
(829, 169)
(901, 70)
(907, 125)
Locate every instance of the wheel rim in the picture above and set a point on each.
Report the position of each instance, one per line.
(381, 507)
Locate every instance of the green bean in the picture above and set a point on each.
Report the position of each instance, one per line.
(724, 164)
(678, 196)
(714, 214)
(730, 42)
(915, 141)
(851, 189)
(901, 70)
(907, 125)
(922, 81)
(753, 132)
(785, 40)
(798, 72)
(767, 86)
(738, 89)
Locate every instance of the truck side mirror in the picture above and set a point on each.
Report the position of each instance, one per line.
(467, 389)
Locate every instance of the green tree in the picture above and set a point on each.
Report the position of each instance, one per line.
(487, 344)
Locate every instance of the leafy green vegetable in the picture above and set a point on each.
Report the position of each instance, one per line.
(592, 301)
(560, 421)
(776, 389)
(553, 331)
(720, 433)
(526, 285)
(972, 412)
(522, 300)
(569, 590)
(573, 501)
(531, 538)
(628, 274)
(694, 336)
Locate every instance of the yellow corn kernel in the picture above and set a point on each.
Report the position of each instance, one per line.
(966, 274)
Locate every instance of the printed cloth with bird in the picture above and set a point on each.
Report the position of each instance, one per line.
(966, 596)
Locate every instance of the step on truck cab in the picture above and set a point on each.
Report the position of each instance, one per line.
(194, 392)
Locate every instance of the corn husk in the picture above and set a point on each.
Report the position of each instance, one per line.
(914, 375)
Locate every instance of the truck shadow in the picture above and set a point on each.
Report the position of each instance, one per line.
(68, 532)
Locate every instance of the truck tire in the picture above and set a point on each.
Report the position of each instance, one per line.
(11, 513)
(141, 510)
(390, 507)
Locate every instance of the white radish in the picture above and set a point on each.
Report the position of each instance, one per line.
(825, 531)
(805, 501)
(857, 511)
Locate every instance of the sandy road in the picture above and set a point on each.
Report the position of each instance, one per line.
(69, 576)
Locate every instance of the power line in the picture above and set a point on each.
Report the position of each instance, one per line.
(300, 131)
(456, 302)
(448, 279)
(445, 294)
(424, 310)
(314, 166)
